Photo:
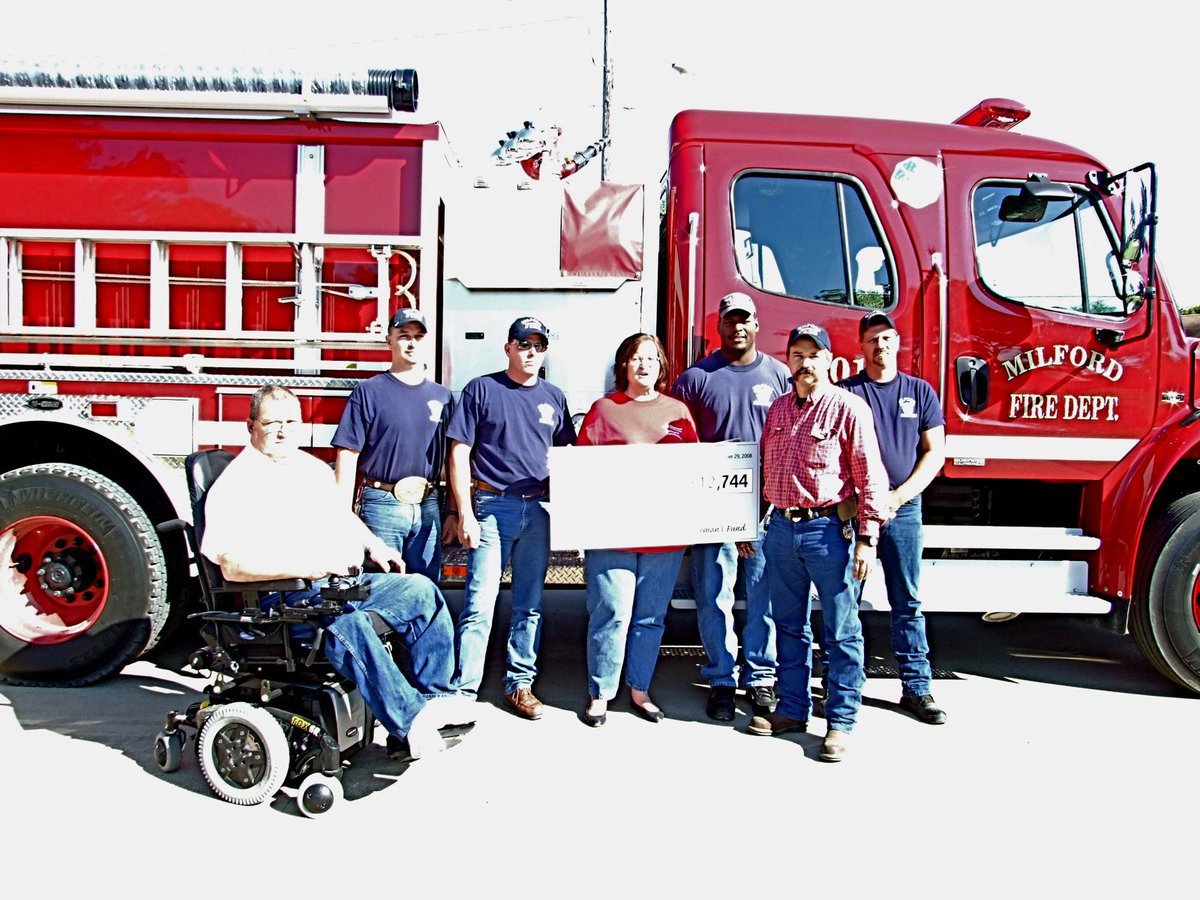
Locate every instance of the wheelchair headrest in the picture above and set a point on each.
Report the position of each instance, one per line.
(202, 469)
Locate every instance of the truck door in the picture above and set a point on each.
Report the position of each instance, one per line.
(1050, 373)
(811, 233)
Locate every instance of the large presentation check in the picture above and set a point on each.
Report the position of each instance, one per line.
(653, 495)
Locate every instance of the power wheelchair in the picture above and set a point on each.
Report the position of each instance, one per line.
(275, 712)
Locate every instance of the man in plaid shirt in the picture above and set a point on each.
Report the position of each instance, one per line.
(818, 450)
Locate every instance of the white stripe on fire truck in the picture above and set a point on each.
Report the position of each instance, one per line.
(966, 446)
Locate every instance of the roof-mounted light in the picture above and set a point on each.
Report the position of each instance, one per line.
(995, 112)
(377, 92)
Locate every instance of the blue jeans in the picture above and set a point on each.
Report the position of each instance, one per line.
(415, 529)
(627, 598)
(801, 555)
(900, 545)
(718, 576)
(414, 607)
(510, 530)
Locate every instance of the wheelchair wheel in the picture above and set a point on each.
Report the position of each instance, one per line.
(168, 750)
(317, 793)
(243, 753)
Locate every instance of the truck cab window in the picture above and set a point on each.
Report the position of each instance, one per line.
(1057, 254)
(810, 237)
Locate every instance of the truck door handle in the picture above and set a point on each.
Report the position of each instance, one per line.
(971, 375)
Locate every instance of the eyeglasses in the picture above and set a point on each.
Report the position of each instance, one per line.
(275, 424)
(536, 346)
(643, 360)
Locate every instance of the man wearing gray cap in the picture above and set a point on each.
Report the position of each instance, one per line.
(819, 450)
(391, 444)
(911, 432)
(501, 434)
(729, 392)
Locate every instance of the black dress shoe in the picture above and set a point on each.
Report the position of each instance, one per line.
(923, 708)
(656, 715)
(720, 704)
(592, 721)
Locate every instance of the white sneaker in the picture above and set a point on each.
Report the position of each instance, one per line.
(423, 739)
(450, 709)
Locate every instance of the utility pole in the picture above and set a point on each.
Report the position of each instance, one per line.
(606, 100)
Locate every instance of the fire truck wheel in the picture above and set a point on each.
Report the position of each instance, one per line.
(83, 583)
(1165, 615)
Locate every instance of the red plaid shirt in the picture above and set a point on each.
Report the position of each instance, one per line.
(816, 453)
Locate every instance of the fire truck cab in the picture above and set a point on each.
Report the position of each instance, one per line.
(1021, 276)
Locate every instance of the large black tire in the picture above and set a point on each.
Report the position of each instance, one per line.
(1165, 615)
(104, 548)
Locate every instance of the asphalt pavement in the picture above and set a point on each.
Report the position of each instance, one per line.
(1066, 769)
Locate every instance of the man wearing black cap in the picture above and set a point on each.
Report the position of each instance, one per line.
(501, 434)
(729, 392)
(818, 450)
(391, 444)
(911, 433)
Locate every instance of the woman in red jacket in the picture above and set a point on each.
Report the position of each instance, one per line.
(628, 591)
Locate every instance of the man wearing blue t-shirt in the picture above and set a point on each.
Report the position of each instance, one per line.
(391, 444)
(911, 432)
(729, 393)
(501, 434)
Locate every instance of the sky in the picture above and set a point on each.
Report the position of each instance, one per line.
(1108, 77)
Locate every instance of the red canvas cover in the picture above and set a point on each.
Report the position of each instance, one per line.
(602, 231)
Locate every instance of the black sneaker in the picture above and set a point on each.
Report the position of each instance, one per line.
(762, 699)
(923, 708)
(818, 702)
(720, 704)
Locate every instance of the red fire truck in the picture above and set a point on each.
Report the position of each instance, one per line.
(165, 250)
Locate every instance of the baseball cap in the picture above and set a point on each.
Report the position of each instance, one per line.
(872, 319)
(523, 327)
(736, 302)
(406, 315)
(814, 333)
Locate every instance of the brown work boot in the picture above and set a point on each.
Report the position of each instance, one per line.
(833, 748)
(524, 704)
(774, 724)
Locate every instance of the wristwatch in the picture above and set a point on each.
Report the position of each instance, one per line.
(869, 540)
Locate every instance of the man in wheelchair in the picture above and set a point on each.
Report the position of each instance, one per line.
(275, 513)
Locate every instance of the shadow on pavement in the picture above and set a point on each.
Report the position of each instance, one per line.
(126, 712)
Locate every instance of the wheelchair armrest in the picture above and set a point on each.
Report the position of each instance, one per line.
(171, 525)
(279, 584)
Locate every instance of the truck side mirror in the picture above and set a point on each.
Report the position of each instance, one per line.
(1136, 214)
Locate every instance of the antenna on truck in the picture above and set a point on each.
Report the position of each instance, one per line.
(373, 92)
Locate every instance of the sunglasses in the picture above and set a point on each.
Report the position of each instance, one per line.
(537, 346)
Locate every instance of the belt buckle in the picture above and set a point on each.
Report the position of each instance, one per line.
(413, 489)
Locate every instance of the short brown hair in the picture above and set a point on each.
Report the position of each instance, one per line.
(625, 353)
(267, 391)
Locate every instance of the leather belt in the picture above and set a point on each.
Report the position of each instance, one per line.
(413, 489)
(808, 513)
(524, 495)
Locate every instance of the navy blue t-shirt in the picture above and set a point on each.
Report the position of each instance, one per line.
(399, 429)
(510, 428)
(728, 402)
(903, 408)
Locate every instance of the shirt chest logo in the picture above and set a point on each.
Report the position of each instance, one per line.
(908, 408)
(764, 394)
(546, 412)
(435, 410)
